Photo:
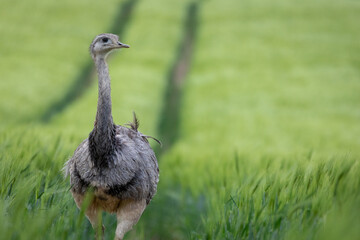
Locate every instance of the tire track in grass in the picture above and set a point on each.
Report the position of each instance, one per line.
(175, 212)
(169, 122)
(86, 76)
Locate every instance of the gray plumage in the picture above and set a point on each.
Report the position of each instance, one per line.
(116, 161)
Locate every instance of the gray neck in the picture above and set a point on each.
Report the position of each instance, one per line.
(103, 115)
(102, 138)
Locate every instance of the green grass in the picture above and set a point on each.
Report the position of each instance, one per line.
(268, 143)
(45, 44)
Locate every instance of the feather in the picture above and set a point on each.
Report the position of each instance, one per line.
(135, 124)
(66, 169)
(156, 140)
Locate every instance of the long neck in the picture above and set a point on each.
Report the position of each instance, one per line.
(102, 138)
(103, 115)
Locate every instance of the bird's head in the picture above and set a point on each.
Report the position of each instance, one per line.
(104, 43)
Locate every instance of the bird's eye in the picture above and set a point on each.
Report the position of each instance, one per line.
(105, 40)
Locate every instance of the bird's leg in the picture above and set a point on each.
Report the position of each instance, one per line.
(128, 214)
(91, 212)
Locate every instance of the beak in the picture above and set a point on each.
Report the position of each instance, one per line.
(122, 45)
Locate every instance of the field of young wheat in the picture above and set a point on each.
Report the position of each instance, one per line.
(256, 102)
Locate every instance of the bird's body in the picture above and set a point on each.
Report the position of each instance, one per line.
(115, 162)
(131, 172)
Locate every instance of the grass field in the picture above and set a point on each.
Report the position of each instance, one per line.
(262, 138)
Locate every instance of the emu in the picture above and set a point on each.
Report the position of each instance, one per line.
(116, 163)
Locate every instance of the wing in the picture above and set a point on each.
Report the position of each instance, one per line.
(77, 167)
(136, 162)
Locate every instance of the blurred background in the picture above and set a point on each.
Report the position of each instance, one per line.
(256, 102)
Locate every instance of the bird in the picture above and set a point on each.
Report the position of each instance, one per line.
(115, 163)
